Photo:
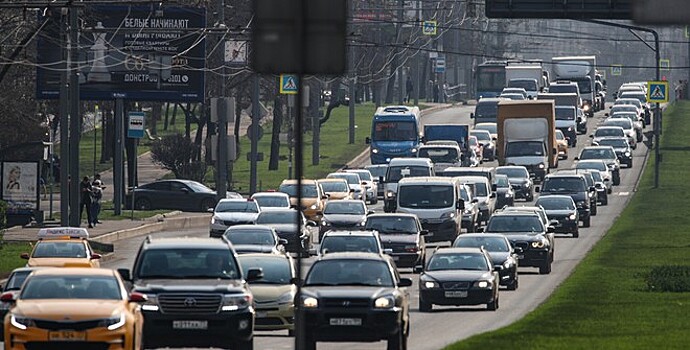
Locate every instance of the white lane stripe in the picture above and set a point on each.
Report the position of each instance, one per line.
(624, 193)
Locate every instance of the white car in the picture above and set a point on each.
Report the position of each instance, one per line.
(230, 212)
(369, 183)
(272, 200)
(353, 180)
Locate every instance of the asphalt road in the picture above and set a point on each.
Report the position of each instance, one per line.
(446, 325)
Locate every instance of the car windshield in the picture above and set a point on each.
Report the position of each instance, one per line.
(457, 261)
(525, 149)
(491, 128)
(338, 244)
(559, 135)
(334, 186)
(585, 86)
(596, 175)
(72, 287)
(426, 196)
(16, 280)
(592, 165)
(352, 179)
(617, 143)
(486, 109)
(482, 136)
(515, 224)
(197, 187)
(344, 272)
(473, 141)
(395, 173)
(623, 108)
(250, 237)
(237, 207)
(480, 189)
(639, 96)
(609, 132)
(276, 269)
(395, 131)
(502, 181)
(529, 85)
(392, 224)
(342, 207)
(562, 88)
(271, 217)
(272, 201)
(378, 171)
(364, 175)
(308, 190)
(440, 154)
(623, 123)
(565, 113)
(491, 244)
(47, 249)
(555, 185)
(628, 101)
(188, 263)
(556, 203)
(513, 172)
(597, 153)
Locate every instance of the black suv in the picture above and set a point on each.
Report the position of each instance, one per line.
(574, 186)
(197, 295)
(356, 297)
(527, 233)
(403, 235)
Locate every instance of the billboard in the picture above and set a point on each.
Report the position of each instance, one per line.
(20, 186)
(140, 53)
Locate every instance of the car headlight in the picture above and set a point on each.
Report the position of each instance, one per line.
(384, 302)
(539, 244)
(214, 220)
(113, 323)
(448, 215)
(287, 298)
(374, 151)
(507, 264)
(586, 108)
(21, 322)
(314, 206)
(430, 285)
(572, 217)
(483, 284)
(233, 302)
(363, 223)
(570, 128)
(508, 194)
(414, 150)
(390, 194)
(151, 303)
(627, 154)
(310, 303)
(541, 165)
(325, 222)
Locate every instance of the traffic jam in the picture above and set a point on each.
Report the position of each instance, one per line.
(441, 216)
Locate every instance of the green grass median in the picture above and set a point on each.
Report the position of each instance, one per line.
(612, 301)
(9, 256)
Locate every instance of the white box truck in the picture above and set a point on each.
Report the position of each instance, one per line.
(527, 76)
(581, 70)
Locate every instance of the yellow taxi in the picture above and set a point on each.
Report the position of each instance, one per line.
(313, 198)
(73, 308)
(62, 247)
(274, 293)
(336, 189)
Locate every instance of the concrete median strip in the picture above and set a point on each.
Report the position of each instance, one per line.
(164, 223)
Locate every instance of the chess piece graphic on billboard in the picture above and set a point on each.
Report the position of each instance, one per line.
(99, 72)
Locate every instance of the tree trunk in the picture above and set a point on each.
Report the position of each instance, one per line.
(275, 135)
(390, 90)
(156, 110)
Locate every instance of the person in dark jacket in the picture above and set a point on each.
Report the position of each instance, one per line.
(85, 191)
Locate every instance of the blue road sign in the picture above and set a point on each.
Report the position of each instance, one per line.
(288, 84)
(657, 91)
(135, 125)
(429, 28)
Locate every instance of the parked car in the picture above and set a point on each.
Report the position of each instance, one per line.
(184, 195)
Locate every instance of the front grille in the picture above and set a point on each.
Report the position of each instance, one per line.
(190, 303)
(268, 321)
(231, 223)
(456, 285)
(343, 224)
(346, 302)
(66, 345)
(67, 325)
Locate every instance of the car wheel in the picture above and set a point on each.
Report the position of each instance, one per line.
(530, 196)
(207, 204)
(424, 306)
(244, 345)
(605, 200)
(545, 268)
(576, 233)
(586, 222)
(514, 285)
(398, 341)
(594, 210)
(617, 179)
(629, 164)
(142, 204)
(493, 306)
(374, 200)
(291, 333)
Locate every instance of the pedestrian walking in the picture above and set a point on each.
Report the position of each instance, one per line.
(97, 190)
(409, 88)
(86, 192)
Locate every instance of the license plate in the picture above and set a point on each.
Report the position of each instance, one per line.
(67, 336)
(261, 314)
(456, 294)
(190, 324)
(346, 321)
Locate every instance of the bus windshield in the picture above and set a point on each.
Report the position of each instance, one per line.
(395, 131)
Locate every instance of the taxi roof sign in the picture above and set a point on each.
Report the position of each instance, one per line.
(657, 91)
(61, 232)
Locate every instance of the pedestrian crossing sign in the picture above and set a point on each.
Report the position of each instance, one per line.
(288, 84)
(429, 28)
(657, 91)
(616, 69)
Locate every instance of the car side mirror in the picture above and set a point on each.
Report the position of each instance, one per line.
(494, 187)
(475, 201)
(576, 158)
(282, 241)
(367, 141)
(311, 223)
(536, 189)
(492, 195)
(24, 256)
(591, 136)
(370, 212)
(598, 186)
(405, 282)
(418, 269)
(125, 274)
(211, 210)
(325, 197)
(606, 114)
(352, 190)
(579, 119)
(135, 297)
(388, 251)
(471, 115)
(296, 281)
(184, 190)
(498, 268)
(480, 229)
(7, 297)
(381, 180)
(255, 274)
(95, 256)
(460, 204)
(423, 232)
(606, 180)
(592, 188)
(550, 229)
(553, 222)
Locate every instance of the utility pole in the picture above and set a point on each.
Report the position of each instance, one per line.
(352, 82)
(420, 57)
(64, 125)
(401, 81)
(75, 116)
(256, 117)
(222, 146)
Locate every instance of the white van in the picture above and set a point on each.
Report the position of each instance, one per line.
(399, 168)
(436, 201)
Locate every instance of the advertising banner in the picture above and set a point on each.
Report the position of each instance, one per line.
(20, 186)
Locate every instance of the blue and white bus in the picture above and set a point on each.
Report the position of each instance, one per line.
(395, 132)
(491, 78)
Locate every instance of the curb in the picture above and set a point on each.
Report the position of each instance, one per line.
(163, 224)
(359, 159)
